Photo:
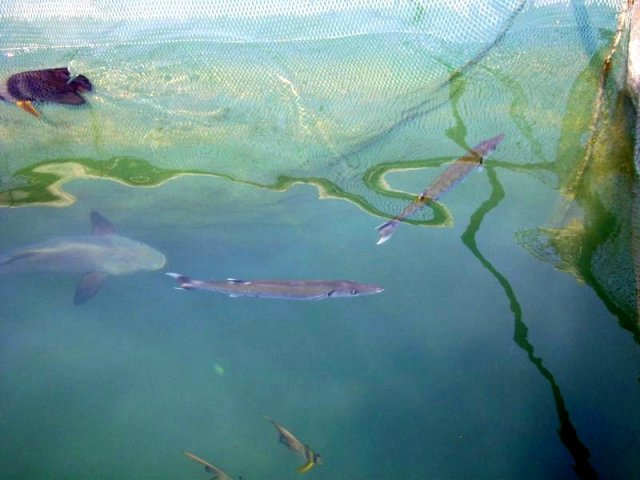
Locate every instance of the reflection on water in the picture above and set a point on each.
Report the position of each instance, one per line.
(43, 183)
(230, 121)
(567, 431)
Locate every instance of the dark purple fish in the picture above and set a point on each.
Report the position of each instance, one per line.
(453, 175)
(53, 85)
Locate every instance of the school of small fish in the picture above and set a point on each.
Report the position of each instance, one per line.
(104, 253)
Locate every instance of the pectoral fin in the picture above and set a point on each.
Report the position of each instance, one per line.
(28, 107)
(88, 287)
(306, 467)
(100, 225)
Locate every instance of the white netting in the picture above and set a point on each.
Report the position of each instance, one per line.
(261, 90)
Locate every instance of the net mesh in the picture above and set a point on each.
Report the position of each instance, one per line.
(270, 92)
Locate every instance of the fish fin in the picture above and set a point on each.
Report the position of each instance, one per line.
(306, 467)
(81, 84)
(68, 98)
(240, 282)
(88, 287)
(385, 230)
(232, 295)
(184, 282)
(28, 107)
(100, 225)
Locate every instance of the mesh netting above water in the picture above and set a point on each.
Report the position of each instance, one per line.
(334, 93)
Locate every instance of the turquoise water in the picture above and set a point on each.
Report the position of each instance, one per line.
(479, 360)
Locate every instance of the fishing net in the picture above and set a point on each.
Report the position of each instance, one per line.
(595, 235)
(269, 92)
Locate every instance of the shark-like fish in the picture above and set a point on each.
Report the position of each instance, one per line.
(452, 176)
(95, 257)
(218, 473)
(295, 445)
(281, 289)
(53, 85)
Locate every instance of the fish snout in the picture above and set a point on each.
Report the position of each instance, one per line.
(366, 289)
(160, 262)
(153, 260)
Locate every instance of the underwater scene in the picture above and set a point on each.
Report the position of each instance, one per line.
(376, 239)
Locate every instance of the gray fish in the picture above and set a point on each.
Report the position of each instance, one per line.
(53, 85)
(218, 474)
(452, 176)
(281, 289)
(93, 256)
(295, 445)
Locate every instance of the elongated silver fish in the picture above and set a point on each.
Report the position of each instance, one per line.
(218, 473)
(282, 289)
(453, 175)
(94, 256)
(292, 443)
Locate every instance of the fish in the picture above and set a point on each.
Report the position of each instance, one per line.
(53, 85)
(280, 289)
(295, 445)
(94, 256)
(452, 176)
(218, 474)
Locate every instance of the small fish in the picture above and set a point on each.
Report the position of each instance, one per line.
(218, 474)
(53, 85)
(453, 175)
(281, 289)
(295, 445)
(95, 257)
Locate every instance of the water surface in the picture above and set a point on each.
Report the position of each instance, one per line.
(277, 160)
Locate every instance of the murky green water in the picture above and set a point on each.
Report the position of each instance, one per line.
(275, 156)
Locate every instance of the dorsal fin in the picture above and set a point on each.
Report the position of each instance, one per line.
(88, 287)
(100, 225)
(238, 282)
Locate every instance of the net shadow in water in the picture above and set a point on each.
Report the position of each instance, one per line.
(567, 432)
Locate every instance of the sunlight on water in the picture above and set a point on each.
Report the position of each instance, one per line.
(253, 145)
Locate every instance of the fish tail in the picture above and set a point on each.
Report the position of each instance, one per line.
(306, 467)
(385, 230)
(185, 282)
(81, 84)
